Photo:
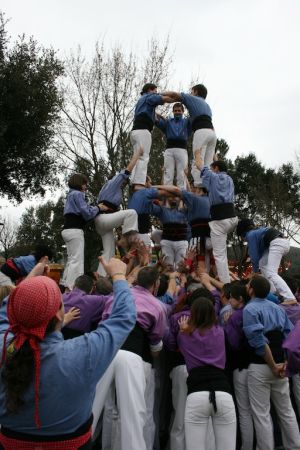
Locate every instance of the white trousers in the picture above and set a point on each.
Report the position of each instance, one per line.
(74, 240)
(296, 391)
(218, 234)
(240, 383)
(174, 251)
(178, 376)
(127, 370)
(175, 157)
(204, 140)
(198, 411)
(140, 139)
(263, 386)
(105, 225)
(269, 264)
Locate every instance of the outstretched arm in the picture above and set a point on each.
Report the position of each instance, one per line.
(134, 159)
(169, 189)
(174, 96)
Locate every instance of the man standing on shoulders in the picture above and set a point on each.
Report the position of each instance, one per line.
(177, 131)
(140, 136)
(223, 218)
(201, 117)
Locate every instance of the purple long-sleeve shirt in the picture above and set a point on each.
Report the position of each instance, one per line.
(292, 346)
(234, 329)
(292, 311)
(91, 308)
(203, 349)
(151, 315)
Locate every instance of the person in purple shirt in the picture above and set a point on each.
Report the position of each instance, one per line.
(77, 212)
(140, 136)
(292, 348)
(132, 369)
(202, 344)
(111, 196)
(238, 358)
(91, 307)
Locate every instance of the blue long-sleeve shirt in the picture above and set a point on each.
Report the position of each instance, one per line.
(197, 106)
(261, 316)
(175, 128)
(112, 191)
(169, 215)
(77, 204)
(256, 246)
(70, 371)
(146, 105)
(219, 185)
(141, 200)
(197, 206)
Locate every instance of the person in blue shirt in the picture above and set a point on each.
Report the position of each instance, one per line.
(111, 196)
(77, 212)
(223, 221)
(140, 136)
(266, 326)
(204, 138)
(266, 247)
(48, 384)
(177, 131)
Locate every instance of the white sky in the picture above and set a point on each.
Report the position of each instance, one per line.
(246, 53)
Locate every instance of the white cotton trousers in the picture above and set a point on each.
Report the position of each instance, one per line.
(178, 376)
(127, 370)
(219, 229)
(198, 412)
(204, 140)
(175, 158)
(269, 264)
(263, 386)
(74, 240)
(174, 251)
(240, 383)
(140, 139)
(105, 225)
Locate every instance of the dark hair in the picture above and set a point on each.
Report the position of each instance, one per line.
(147, 276)
(226, 290)
(260, 286)
(77, 180)
(163, 285)
(18, 372)
(178, 105)
(42, 250)
(221, 165)
(244, 226)
(239, 291)
(84, 283)
(200, 292)
(203, 314)
(201, 90)
(103, 286)
(148, 87)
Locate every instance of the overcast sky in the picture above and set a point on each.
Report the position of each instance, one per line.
(246, 53)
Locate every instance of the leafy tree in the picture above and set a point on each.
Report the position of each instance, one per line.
(29, 107)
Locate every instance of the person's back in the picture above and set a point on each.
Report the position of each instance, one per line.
(58, 378)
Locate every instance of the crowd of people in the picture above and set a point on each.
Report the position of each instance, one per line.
(178, 353)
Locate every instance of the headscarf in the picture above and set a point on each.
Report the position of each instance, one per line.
(31, 306)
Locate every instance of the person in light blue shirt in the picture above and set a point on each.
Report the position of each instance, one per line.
(266, 326)
(266, 247)
(140, 136)
(204, 138)
(59, 407)
(177, 131)
(111, 196)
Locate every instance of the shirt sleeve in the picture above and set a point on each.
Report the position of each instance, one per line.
(154, 100)
(161, 124)
(254, 331)
(88, 212)
(106, 340)
(253, 250)
(234, 332)
(206, 175)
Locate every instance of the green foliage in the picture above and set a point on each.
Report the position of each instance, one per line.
(29, 107)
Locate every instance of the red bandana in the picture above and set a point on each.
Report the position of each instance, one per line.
(31, 306)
